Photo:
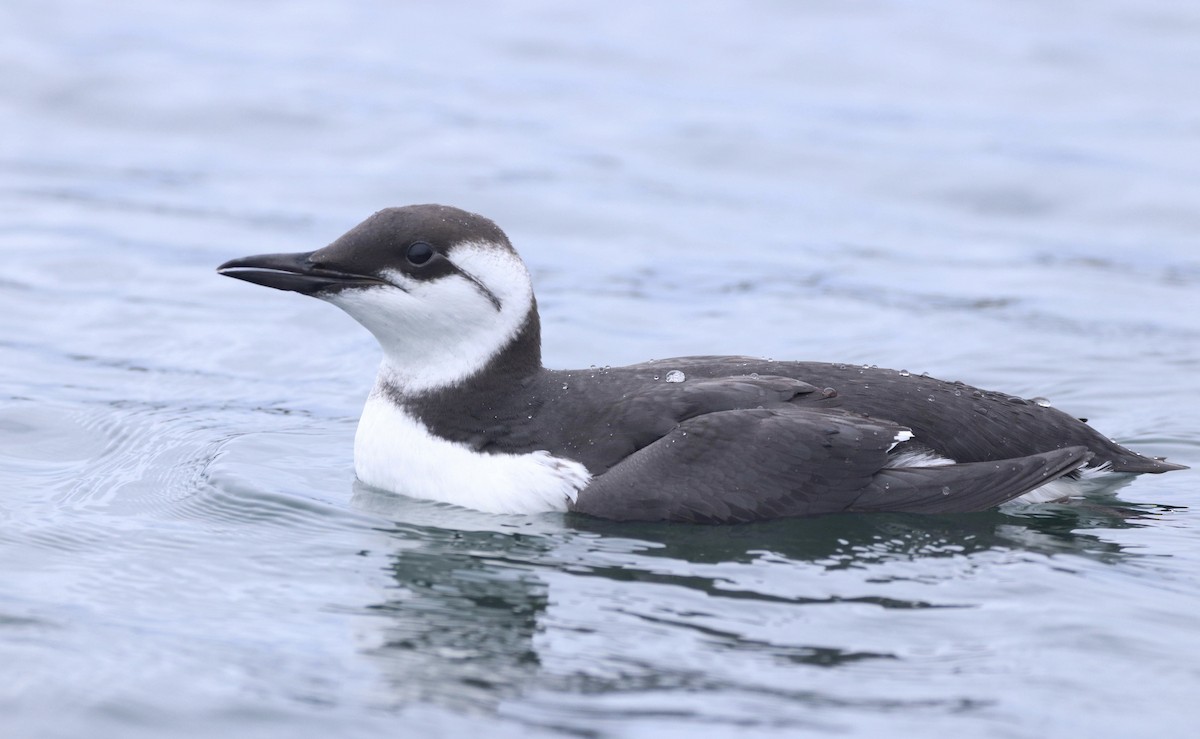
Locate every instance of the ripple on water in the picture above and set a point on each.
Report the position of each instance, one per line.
(138, 459)
(286, 479)
(46, 441)
(133, 477)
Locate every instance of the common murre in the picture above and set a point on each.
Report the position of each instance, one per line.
(463, 412)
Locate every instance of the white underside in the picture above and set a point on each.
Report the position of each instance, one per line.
(1091, 480)
(396, 452)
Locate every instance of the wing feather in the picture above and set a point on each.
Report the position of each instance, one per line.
(754, 464)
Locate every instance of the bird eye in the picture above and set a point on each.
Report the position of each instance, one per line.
(419, 253)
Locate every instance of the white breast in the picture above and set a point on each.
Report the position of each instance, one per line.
(396, 452)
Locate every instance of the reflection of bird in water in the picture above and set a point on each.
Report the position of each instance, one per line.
(487, 609)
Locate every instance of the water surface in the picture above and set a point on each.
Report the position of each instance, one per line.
(1006, 194)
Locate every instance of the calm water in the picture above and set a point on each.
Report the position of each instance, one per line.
(1007, 194)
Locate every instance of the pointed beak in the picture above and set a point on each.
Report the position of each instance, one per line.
(295, 272)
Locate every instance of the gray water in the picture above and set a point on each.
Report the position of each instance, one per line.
(1005, 193)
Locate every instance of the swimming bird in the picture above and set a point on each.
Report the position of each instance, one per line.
(463, 412)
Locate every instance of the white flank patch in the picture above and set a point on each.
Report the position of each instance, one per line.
(396, 452)
(437, 333)
(902, 436)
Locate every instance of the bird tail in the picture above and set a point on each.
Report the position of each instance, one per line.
(968, 487)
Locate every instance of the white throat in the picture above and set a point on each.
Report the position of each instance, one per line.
(437, 333)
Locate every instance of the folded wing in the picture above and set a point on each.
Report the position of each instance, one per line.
(752, 464)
